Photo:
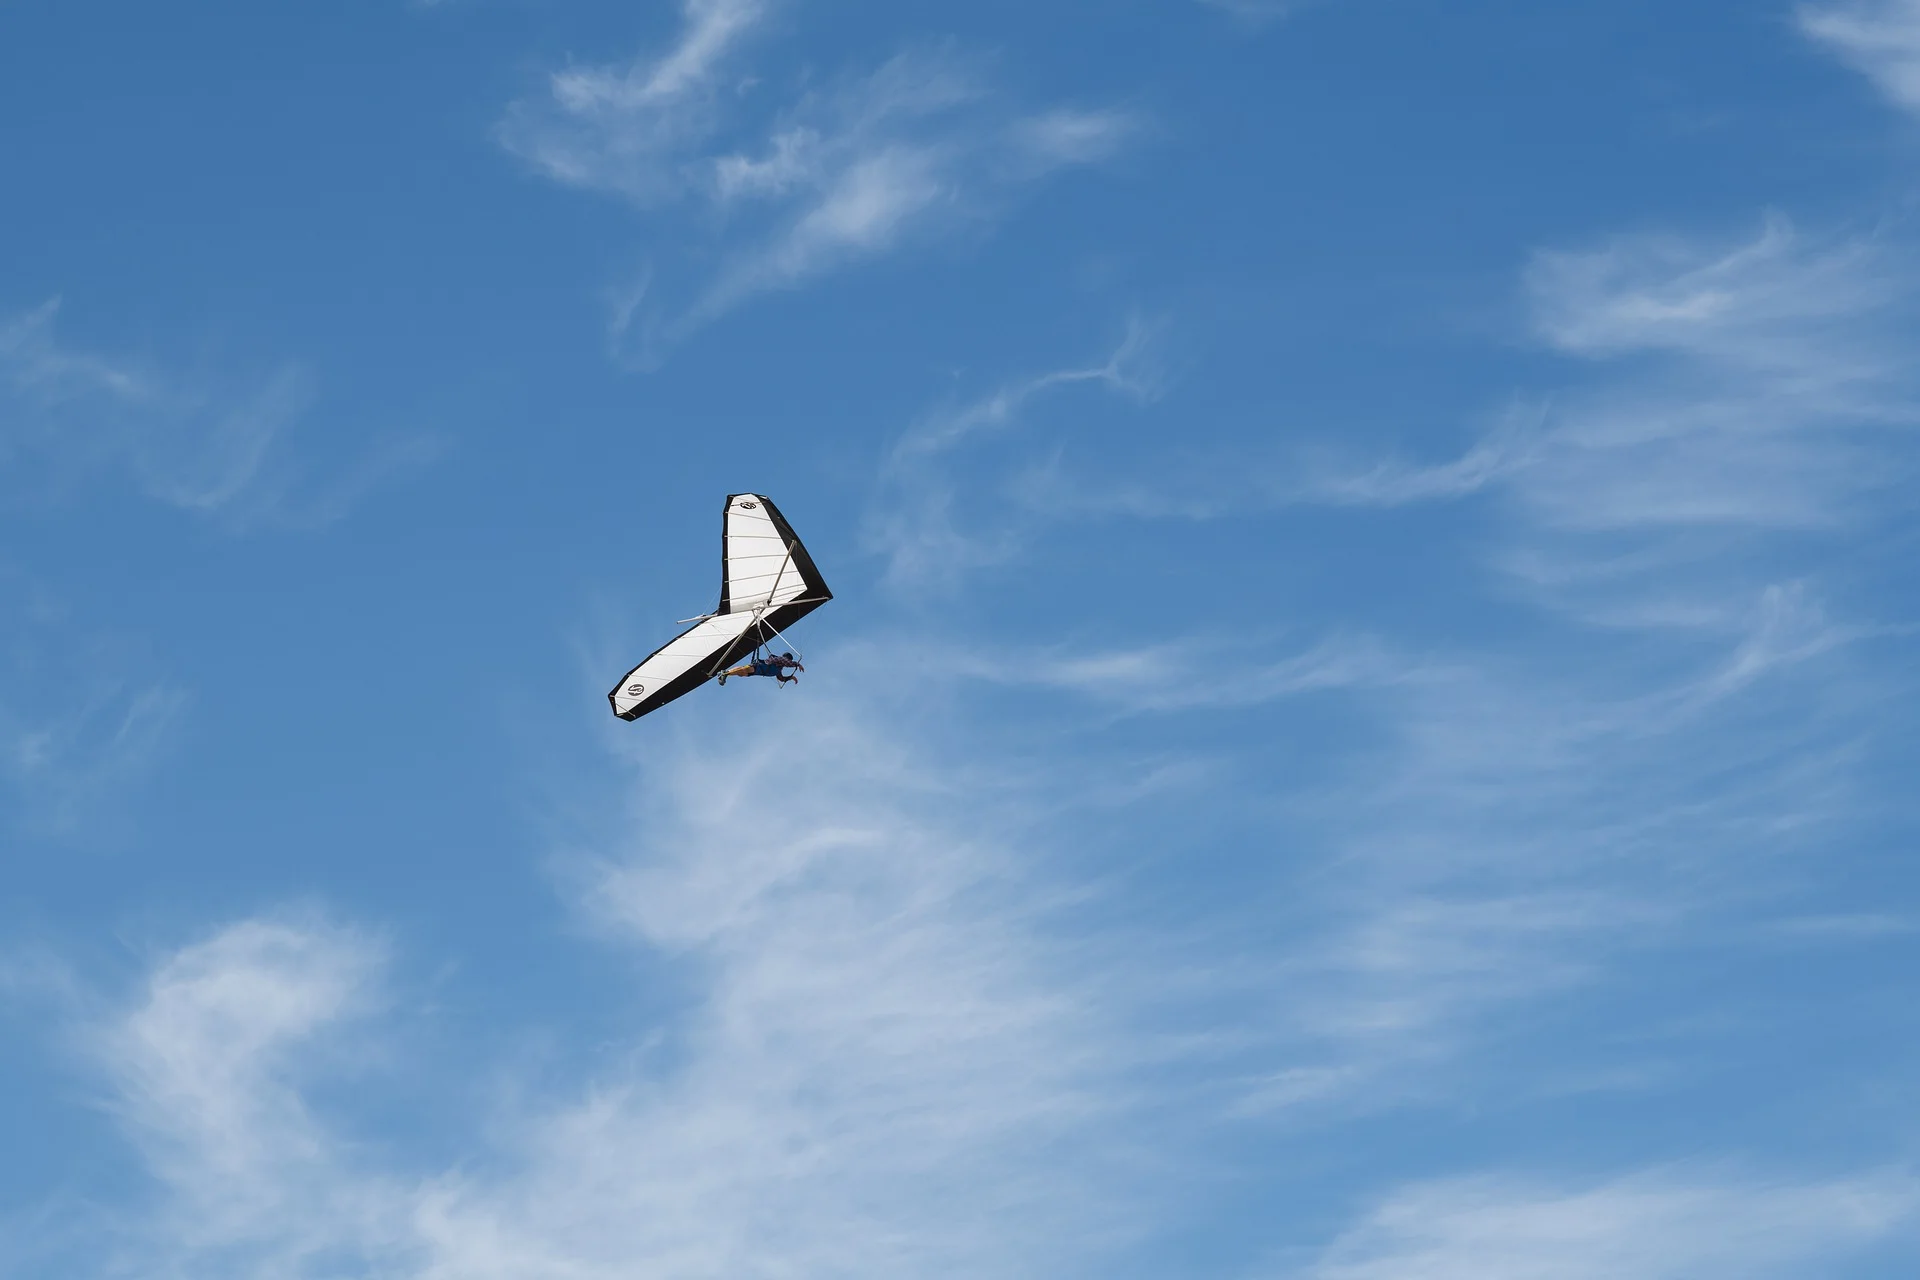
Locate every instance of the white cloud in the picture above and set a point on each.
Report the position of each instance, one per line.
(1730, 395)
(889, 1071)
(913, 522)
(209, 1067)
(1498, 842)
(69, 766)
(1721, 391)
(848, 175)
(1066, 136)
(630, 129)
(1395, 483)
(1187, 674)
(861, 210)
(840, 174)
(884, 1062)
(1881, 38)
(1789, 626)
(82, 721)
(1257, 12)
(713, 28)
(1739, 396)
(892, 1046)
(199, 449)
(906, 157)
(1665, 1226)
(1781, 305)
(204, 1058)
(1523, 831)
(213, 444)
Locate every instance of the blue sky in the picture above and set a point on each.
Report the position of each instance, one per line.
(1366, 732)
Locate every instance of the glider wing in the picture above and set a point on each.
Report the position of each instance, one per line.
(684, 663)
(767, 583)
(762, 564)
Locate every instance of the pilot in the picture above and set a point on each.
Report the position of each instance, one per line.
(775, 666)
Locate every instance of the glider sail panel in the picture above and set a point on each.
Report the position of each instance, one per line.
(762, 563)
(683, 664)
(768, 582)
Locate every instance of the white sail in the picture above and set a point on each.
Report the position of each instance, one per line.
(680, 665)
(758, 563)
(767, 583)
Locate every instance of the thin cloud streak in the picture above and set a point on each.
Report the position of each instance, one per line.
(887, 1059)
(1659, 1225)
(1190, 674)
(630, 129)
(194, 449)
(912, 519)
(217, 446)
(885, 1065)
(209, 1068)
(1776, 399)
(899, 166)
(1879, 38)
(66, 768)
(1519, 836)
(1738, 389)
(83, 721)
(1503, 848)
(1499, 845)
(842, 175)
(1257, 12)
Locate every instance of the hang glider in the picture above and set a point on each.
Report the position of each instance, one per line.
(768, 582)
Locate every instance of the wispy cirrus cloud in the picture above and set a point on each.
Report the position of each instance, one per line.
(1727, 406)
(890, 1070)
(213, 444)
(1499, 844)
(838, 175)
(1880, 38)
(1750, 404)
(1519, 835)
(83, 721)
(208, 1065)
(1673, 1224)
(1760, 386)
(889, 1049)
(200, 449)
(892, 1046)
(883, 1063)
(1783, 304)
(1717, 388)
(913, 519)
(1191, 673)
(1725, 398)
(66, 766)
(1258, 12)
(636, 129)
